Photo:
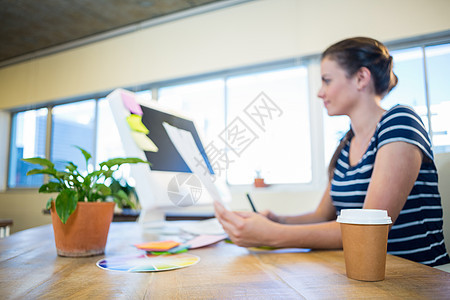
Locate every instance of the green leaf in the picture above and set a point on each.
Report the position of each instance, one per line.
(86, 155)
(120, 161)
(71, 166)
(121, 198)
(61, 175)
(49, 203)
(93, 175)
(39, 161)
(102, 189)
(96, 197)
(65, 204)
(122, 195)
(42, 171)
(115, 186)
(81, 195)
(108, 173)
(51, 187)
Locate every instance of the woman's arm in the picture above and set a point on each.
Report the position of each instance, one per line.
(251, 229)
(395, 171)
(325, 211)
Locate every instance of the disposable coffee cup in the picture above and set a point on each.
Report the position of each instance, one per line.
(364, 238)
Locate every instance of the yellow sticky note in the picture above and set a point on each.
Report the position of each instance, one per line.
(135, 123)
(144, 142)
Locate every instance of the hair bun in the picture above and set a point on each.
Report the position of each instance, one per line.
(355, 53)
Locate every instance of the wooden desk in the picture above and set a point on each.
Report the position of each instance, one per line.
(30, 268)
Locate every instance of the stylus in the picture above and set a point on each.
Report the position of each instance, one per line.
(251, 202)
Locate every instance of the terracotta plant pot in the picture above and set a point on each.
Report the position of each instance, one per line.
(86, 230)
(259, 182)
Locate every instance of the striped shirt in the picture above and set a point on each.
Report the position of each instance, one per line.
(417, 233)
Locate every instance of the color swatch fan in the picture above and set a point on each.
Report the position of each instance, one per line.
(148, 263)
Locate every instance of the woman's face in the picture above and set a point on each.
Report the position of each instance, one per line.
(338, 92)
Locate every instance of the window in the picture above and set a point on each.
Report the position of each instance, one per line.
(410, 90)
(261, 103)
(72, 125)
(438, 65)
(275, 107)
(417, 86)
(109, 144)
(287, 106)
(335, 128)
(28, 137)
(88, 124)
(202, 102)
(108, 141)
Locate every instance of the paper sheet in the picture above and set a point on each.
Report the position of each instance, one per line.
(185, 144)
(130, 103)
(205, 240)
(144, 142)
(204, 227)
(135, 123)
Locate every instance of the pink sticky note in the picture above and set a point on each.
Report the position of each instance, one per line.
(205, 240)
(130, 103)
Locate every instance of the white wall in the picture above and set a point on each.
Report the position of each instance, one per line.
(245, 34)
(241, 35)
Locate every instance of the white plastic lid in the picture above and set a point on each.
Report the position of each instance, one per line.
(364, 216)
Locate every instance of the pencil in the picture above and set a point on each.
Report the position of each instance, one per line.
(251, 202)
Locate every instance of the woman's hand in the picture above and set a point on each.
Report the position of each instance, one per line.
(247, 229)
(271, 216)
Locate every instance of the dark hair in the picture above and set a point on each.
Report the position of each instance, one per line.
(347, 137)
(355, 53)
(352, 54)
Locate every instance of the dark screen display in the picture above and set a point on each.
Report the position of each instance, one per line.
(167, 158)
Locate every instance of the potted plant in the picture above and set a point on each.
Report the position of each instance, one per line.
(130, 203)
(83, 208)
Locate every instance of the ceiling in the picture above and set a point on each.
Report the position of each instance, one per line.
(27, 26)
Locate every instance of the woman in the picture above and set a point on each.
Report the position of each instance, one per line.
(384, 161)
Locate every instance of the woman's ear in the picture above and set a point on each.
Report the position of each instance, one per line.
(363, 78)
